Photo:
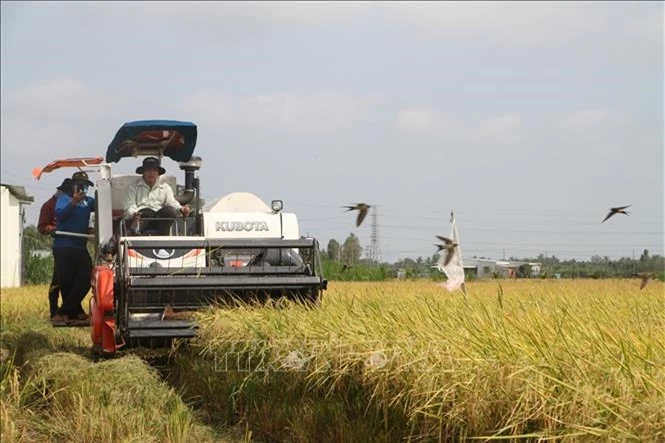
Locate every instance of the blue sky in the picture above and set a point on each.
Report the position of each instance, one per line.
(529, 119)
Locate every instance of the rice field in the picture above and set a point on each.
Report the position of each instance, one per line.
(530, 360)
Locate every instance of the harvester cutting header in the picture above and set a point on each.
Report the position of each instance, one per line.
(238, 248)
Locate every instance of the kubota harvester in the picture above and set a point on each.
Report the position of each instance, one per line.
(236, 249)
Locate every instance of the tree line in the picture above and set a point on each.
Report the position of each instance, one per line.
(349, 254)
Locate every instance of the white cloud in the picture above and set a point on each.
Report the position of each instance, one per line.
(39, 141)
(588, 118)
(230, 20)
(526, 23)
(508, 22)
(418, 120)
(291, 112)
(52, 98)
(504, 128)
(43, 120)
(617, 25)
(64, 116)
(65, 103)
(427, 121)
(308, 13)
(59, 99)
(495, 22)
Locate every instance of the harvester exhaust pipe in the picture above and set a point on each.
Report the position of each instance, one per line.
(194, 164)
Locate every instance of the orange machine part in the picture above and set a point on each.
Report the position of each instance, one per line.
(66, 162)
(97, 319)
(101, 309)
(102, 330)
(108, 336)
(102, 284)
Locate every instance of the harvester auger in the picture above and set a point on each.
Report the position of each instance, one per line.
(238, 249)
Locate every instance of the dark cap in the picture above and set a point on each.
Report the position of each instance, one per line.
(82, 177)
(150, 162)
(66, 184)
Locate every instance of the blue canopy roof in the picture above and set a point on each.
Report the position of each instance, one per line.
(171, 138)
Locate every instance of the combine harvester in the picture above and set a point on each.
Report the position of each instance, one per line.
(239, 249)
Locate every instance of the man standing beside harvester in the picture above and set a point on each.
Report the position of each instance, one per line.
(73, 263)
(47, 226)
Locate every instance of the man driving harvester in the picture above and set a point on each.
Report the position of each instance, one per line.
(151, 197)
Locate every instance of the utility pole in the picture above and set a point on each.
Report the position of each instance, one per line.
(374, 253)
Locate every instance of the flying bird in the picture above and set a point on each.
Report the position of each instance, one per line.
(619, 210)
(645, 276)
(362, 211)
(449, 246)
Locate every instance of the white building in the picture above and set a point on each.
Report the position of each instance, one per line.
(487, 268)
(12, 217)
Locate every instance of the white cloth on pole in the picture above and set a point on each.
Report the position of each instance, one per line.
(454, 270)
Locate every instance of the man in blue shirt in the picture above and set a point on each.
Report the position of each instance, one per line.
(47, 226)
(72, 259)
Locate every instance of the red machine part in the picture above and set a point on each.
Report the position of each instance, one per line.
(173, 139)
(101, 309)
(66, 162)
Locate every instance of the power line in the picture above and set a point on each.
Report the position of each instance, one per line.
(519, 214)
(543, 229)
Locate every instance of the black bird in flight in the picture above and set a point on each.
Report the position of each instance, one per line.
(449, 246)
(362, 211)
(645, 277)
(619, 210)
